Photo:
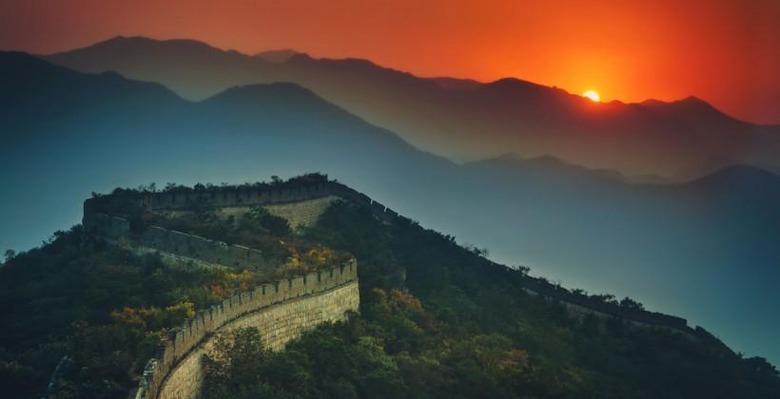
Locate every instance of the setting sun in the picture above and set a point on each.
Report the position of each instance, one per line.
(592, 95)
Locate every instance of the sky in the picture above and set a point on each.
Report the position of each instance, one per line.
(726, 52)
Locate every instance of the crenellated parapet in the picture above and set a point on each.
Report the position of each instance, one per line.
(581, 304)
(124, 201)
(283, 309)
(636, 315)
(269, 194)
(280, 310)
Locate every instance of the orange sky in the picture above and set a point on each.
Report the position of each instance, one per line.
(724, 51)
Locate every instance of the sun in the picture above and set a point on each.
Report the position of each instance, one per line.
(592, 95)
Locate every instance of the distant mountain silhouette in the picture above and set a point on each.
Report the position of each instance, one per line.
(740, 176)
(744, 189)
(544, 166)
(461, 119)
(705, 249)
(41, 101)
(277, 56)
(26, 84)
(456, 84)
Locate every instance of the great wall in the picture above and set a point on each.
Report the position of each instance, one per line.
(282, 310)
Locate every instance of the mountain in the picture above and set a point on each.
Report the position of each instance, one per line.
(544, 167)
(30, 88)
(456, 84)
(277, 56)
(85, 313)
(708, 242)
(704, 249)
(461, 119)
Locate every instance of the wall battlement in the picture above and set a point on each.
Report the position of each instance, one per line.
(217, 196)
(178, 243)
(636, 315)
(262, 195)
(114, 204)
(281, 311)
(98, 219)
(305, 291)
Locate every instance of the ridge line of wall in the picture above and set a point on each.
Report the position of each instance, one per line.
(269, 195)
(235, 196)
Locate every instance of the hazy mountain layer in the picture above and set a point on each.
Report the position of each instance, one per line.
(462, 119)
(705, 250)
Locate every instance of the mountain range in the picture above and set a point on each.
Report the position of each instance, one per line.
(462, 119)
(705, 249)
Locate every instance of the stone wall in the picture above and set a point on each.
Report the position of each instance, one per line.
(205, 249)
(634, 315)
(277, 324)
(580, 311)
(230, 196)
(263, 195)
(281, 311)
(178, 244)
(107, 226)
(302, 214)
(297, 214)
(217, 197)
(220, 197)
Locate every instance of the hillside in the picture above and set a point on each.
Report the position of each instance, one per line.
(464, 120)
(436, 319)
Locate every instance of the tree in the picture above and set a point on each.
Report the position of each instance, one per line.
(9, 254)
(483, 252)
(235, 364)
(629, 303)
(276, 225)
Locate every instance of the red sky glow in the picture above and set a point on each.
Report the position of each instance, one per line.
(724, 51)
